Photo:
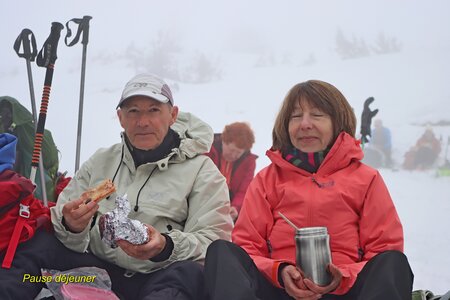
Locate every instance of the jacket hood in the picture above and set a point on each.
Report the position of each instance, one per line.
(196, 136)
(20, 114)
(344, 150)
(7, 151)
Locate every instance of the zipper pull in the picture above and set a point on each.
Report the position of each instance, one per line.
(269, 247)
(324, 184)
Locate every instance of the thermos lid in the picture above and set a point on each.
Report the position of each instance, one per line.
(311, 231)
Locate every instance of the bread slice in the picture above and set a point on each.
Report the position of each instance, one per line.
(101, 191)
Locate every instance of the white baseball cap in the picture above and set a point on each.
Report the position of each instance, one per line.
(147, 85)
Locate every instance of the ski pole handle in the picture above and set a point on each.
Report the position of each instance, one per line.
(27, 40)
(83, 27)
(47, 55)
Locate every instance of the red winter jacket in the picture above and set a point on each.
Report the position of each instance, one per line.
(346, 196)
(241, 175)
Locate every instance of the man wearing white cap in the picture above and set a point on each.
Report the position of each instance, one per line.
(178, 194)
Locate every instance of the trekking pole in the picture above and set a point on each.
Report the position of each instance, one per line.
(83, 26)
(27, 40)
(46, 58)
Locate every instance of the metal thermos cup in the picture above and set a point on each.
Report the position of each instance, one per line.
(313, 253)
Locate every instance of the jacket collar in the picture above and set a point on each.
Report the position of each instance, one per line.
(344, 150)
(140, 157)
(195, 136)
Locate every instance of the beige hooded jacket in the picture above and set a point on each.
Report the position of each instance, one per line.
(185, 197)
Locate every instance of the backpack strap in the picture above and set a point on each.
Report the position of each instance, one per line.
(21, 223)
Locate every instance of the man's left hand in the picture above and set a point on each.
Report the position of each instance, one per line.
(154, 246)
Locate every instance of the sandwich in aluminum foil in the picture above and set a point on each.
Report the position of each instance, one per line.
(115, 225)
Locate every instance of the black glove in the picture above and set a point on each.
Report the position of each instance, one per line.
(366, 119)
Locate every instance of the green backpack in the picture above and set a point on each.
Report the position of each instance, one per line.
(21, 125)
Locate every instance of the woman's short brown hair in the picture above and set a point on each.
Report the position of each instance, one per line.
(321, 95)
(240, 134)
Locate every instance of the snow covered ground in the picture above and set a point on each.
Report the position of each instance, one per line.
(423, 204)
(270, 49)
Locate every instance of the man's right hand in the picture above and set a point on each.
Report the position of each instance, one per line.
(77, 217)
(294, 285)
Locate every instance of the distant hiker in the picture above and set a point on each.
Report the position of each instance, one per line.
(231, 154)
(366, 120)
(315, 178)
(381, 140)
(178, 193)
(17, 120)
(424, 153)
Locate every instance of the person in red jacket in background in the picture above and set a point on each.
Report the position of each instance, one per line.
(316, 179)
(231, 154)
(424, 153)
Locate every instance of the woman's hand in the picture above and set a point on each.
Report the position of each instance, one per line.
(294, 285)
(154, 246)
(336, 278)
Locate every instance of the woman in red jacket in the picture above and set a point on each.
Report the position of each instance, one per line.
(316, 179)
(231, 154)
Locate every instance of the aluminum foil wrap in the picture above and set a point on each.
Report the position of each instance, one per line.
(115, 225)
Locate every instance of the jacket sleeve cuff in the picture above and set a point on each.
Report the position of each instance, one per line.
(281, 266)
(275, 274)
(166, 252)
(78, 242)
(346, 283)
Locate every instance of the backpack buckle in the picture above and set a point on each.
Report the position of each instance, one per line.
(24, 211)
